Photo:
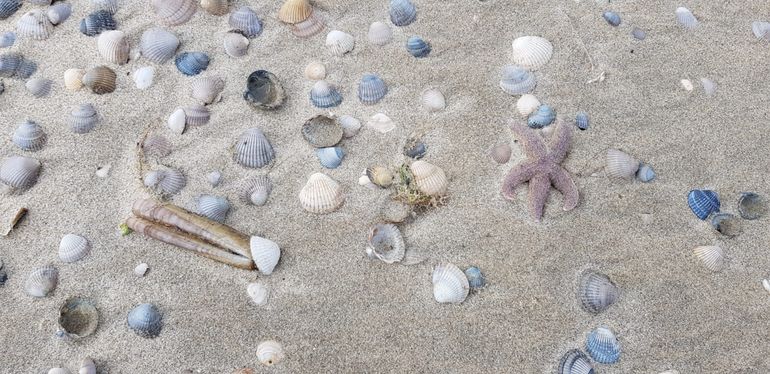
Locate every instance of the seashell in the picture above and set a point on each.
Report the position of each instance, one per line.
(417, 47)
(192, 63)
(581, 120)
(325, 95)
(100, 80)
(29, 136)
(531, 52)
(264, 90)
(687, 85)
(41, 281)
(430, 179)
(14, 65)
(543, 117)
(197, 115)
(83, 118)
(143, 77)
(321, 194)
(96, 22)
(379, 33)
(58, 371)
(575, 362)
(141, 269)
(295, 11)
(476, 280)
(380, 176)
(322, 131)
(213, 207)
(638, 33)
(258, 293)
(450, 285)
(766, 284)
(381, 123)
(270, 353)
(371, 89)
(433, 100)
(711, 256)
(645, 173)
(59, 13)
(207, 90)
(350, 125)
(309, 27)
(73, 79)
(113, 46)
(158, 45)
(761, 29)
(517, 81)
(339, 42)
(402, 12)
(703, 203)
(596, 292)
(34, 25)
(330, 157)
(726, 224)
(39, 87)
(253, 150)
(87, 367)
(7, 38)
(174, 12)
(685, 18)
(256, 190)
(216, 7)
(78, 318)
(236, 45)
(8, 8)
(612, 18)
(603, 346)
(3, 273)
(500, 153)
(214, 178)
(19, 172)
(2, 87)
(527, 104)
(386, 243)
(621, 164)
(168, 181)
(751, 206)
(709, 87)
(145, 320)
(73, 248)
(108, 5)
(265, 253)
(315, 71)
(415, 149)
(177, 121)
(245, 20)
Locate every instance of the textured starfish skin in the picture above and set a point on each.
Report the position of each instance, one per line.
(542, 168)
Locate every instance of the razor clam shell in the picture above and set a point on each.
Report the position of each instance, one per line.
(42, 281)
(270, 353)
(83, 118)
(145, 320)
(321, 194)
(531, 52)
(19, 172)
(450, 285)
(265, 254)
(158, 45)
(174, 12)
(29, 136)
(256, 190)
(253, 149)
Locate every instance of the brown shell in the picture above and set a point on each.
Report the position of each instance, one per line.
(100, 80)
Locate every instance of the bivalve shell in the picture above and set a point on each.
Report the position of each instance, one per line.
(34, 25)
(167, 181)
(295, 11)
(596, 292)
(245, 20)
(78, 318)
(711, 256)
(703, 203)
(603, 346)
(264, 90)
(197, 115)
(97, 22)
(213, 207)
(430, 179)
(321, 194)
(450, 285)
(527, 104)
(612, 18)
(7, 38)
(145, 320)
(517, 81)
(575, 362)
(325, 95)
(19, 172)
(83, 118)
(761, 29)
(402, 12)
(685, 18)
(386, 243)
(476, 280)
(192, 63)
(8, 8)
(542, 117)
(315, 71)
(379, 33)
(100, 80)
(87, 366)
(309, 27)
(42, 281)
(418, 47)
(258, 293)
(158, 45)
(752, 206)
(207, 90)
(253, 150)
(256, 190)
(371, 89)
(216, 7)
(236, 45)
(350, 125)
(270, 353)
(330, 157)
(532, 52)
(381, 123)
(174, 12)
(108, 5)
(156, 146)
(340, 43)
(73, 248)
(621, 164)
(143, 77)
(322, 131)
(380, 176)
(59, 12)
(29, 136)
(73, 79)
(113, 46)
(39, 87)
(433, 100)
(581, 120)
(500, 153)
(265, 254)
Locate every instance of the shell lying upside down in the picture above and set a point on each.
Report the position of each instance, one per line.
(386, 243)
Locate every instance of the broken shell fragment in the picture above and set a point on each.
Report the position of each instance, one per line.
(321, 194)
(751, 206)
(78, 318)
(322, 131)
(433, 100)
(381, 123)
(258, 293)
(315, 71)
(350, 125)
(476, 280)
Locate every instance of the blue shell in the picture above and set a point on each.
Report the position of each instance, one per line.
(145, 320)
(575, 362)
(325, 98)
(612, 18)
(517, 80)
(402, 12)
(415, 150)
(603, 346)
(97, 22)
(542, 117)
(703, 202)
(475, 278)
(371, 89)
(581, 120)
(245, 20)
(9, 7)
(14, 65)
(192, 63)
(330, 157)
(638, 33)
(645, 173)
(7, 39)
(417, 47)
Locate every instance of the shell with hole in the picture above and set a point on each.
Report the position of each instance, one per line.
(113, 46)
(264, 90)
(322, 131)
(321, 194)
(433, 100)
(430, 179)
(621, 165)
(596, 292)
(253, 150)
(340, 43)
(158, 45)
(245, 20)
(256, 190)
(213, 207)
(711, 256)
(73, 248)
(236, 45)
(166, 181)
(270, 353)
(386, 243)
(19, 172)
(325, 95)
(295, 11)
(78, 318)
(516, 80)
(402, 12)
(450, 285)
(42, 281)
(34, 25)
(532, 52)
(174, 12)
(101, 80)
(371, 89)
(379, 33)
(145, 320)
(96, 22)
(83, 118)
(265, 253)
(29, 136)
(207, 90)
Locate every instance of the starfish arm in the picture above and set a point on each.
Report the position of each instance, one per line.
(530, 140)
(558, 146)
(539, 186)
(562, 180)
(518, 175)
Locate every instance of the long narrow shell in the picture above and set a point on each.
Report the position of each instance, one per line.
(265, 254)
(315, 71)
(59, 12)
(321, 194)
(19, 172)
(216, 7)
(295, 11)
(73, 248)
(685, 18)
(386, 243)
(517, 81)
(41, 281)
(73, 79)
(207, 90)
(145, 320)
(158, 45)
(213, 207)
(381, 123)
(270, 353)
(174, 12)
(253, 149)
(245, 20)
(100, 80)
(379, 33)
(621, 164)
(83, 119)
(309, 27)
(711, 256)
(596, 292)
(340, 43)
(256, 190)
(113, 46)
(527, 104)
(433, 100)
(371, 89)
(236, 45)
(450, 285)
(531, 52)
(34, 25)
(430, 179)
(39, 87)
(29, 136)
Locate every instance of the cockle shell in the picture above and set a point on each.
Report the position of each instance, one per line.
(433, 100)
(29, 136)
(685, 18)
(603, 346)
(14, 65)
(83, 119)
(143, 77)
(531, 52)
(73, 79)
(575, 362)
(174, 12)
(42, 281)
(59, 371)
(8, 8)
(100, 80)
(581, 120)
(78, 318)
(158, 45)
(339, 42)
(245, 20)
(371, 89)
(527, 104)
(258, 293)
(752, 206)
(322, 131)
(476, 280)
(645, 173)
(177, 121)
(621, 164)
(450, 285)
(168, 181)
(145, 320)
(196, 115)
(19, 172)
(380, 176)
(108, 5)
(417, 47)
(236, 45)
(213, 207)
(264, 90)
(207, 90)
(596, 292)
(214, 178)
(73, 248)
(87, 366)
(379, 33)
(711, 256)
(430, 179)
(256, 190)
(97, 22)
(542, 117)
(34, 25)
(761, 29)
(381, 123)
(612, 18)
(315, 71)
(321, 194)
(325, 95)
(726, 224)
(270, 353)
(309, 27)
(386, 243)
(402, 12)
(517, 81)
(113, 46)
(350, 125)
(500, 153)
(59, 12)
(216, 7)
(253, 150)
(330, 157)
(295, 11)
(265, 254)
(703, 202)
(39, 87)
(7, 38)
(192, 63)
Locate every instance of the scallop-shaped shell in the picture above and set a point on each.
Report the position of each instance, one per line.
(544, 116)
(39, 87)
(417, 47)
(158, 45)
(78, 318)
(265, 254)
(258, 293)
(433, 100)
(645, 173)
(213, 207)
(350, 125)
(270, 353)
(309, 27)
(83, 119)
(711, 256)
(402, 12)
(430, 179)
(340, 42)
(685, 18)
(245, 20)
(8, 8)
(264, 90)
(253, 150)
(325, 95)
(7, 38)
(168, 181)
(29, 136)
(73, 248)
(108, 5)
(531, 52)
(100, 80)
(371, 89)
(145, 320)
(41, 281)
(596, 292)
(97, 22)
(517, 81)
(415, 148)
(216, 7)
(87, 366)
(236, 45)
(256, 190)
(321, 194)
(380, 176)
(703, 202)
(751, 206)
(575, 362)
(612, 18)
(761, 29)
(315, 71)
(621, 164)
(113, 46)
(330, 157)
(381, 123)
(476, 280)
(143, 77)
(379, 33)
(581, 120)
(500, 153)
(156, 146)
(34, 25)
(386, 243)
(450, 285)
(174, 12)
(638, 33)
(207, 90)
(197, 115)
(295, 11)
(527, 104)
(603, 346)
(192, 63)
(19, 172)
(726, 224)
(73, 79)
(322, 131)
(14, 65)
(59, 12)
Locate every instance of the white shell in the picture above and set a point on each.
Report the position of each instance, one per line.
(73, 248)
(265, 254)
(766, 284)
(113, 46)
(709, 87)
(87, 366)
(216, 7)
(177, 121)
(621, 164)
(214, 178)
(339, 42)
(321, 194)
(761, 29)
(41, 281)
(143, 77)
(103, 171)
(711, 256)
(531, 52)
(236, 45)
(430, 179)
(59, 371)
(258, 293)
(685, 18)
(380, 33)
(433, 100)
(270, 352)
(34, 25)
(527, 104)
(687, 85)
(207, 90)
(450, 285)
(315, 71)
(174, 12)
(73, 79)
(350, 125)
(39, 87)
(141, 269)
(381, 123)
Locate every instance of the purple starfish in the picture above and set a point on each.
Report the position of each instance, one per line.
(542, 168)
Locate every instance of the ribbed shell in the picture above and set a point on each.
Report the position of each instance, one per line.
(476, 280)
(433, 100)
(34, 25)
(213, 207)
(330, 157)
(83, 118)
(350, 125)
(158, 45)
(143, 77)
(236, 45)
(29, 136)
(450, 285)
(100, 80)
(73, 79)
(97, 22)
(174, 12)
(168, 181)
(752, 206)
(386, 243)
(197, 115)
(542, 117)
(380, 176)
(253, 149)
(381, 123)
(265, 254)
(621, 164)
(42, 281)
(582, 121)
(612, 18)
(379, 33)
(430, 179)
(270, 353)
(156, 146)
(256, 190)
(596, 292)
(315, 71)
(207, 90)
(59, 12)
(245, 20)
(87, 366)
(7, 38)
(500, 153)
(685, 18)
(14, 65)
(113, 46)
(339, 42)
(711, 256)
(418, 47)
(8, 8)
(192, 63)
(371, 89)
(216, 7)
(575, 362)
(73, 248)
(527, 104)
(517, 81)
(531, 52)
(309, 27)
(108, 5)
(295, 11)
(40, 2)
(402, 12)
(325, 95)
(145, 320)
(39, 87)
(264, 90)
(322, 131)
(703, 202)
(19, 172)
(321, 194)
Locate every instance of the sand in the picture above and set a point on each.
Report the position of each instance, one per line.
(333, 309)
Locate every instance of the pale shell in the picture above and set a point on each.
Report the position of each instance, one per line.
(379, 33)
(379, 176)
(711, 256)
(245, 20)
(265, 254)
(87, 366)
(108, 5)
(315, 71)
(430, 179)
(34, 25)
(7, 39)
(39, 87)
(621, 164)
(213, 207)
(340, 43)
(19, 172)
(532, 52)
(177, 121)
(687, 85)
(214, 178)
(59, 12)
(258, 293)
(270, 353)
(168, 181)
(73, 79)
(73, 248)
(253, 149)
(113, 46)
(158, 45)
(433, 100)
(322, 131)
(386, 243)
(207, 90)
(156, 146)
(29, 136)
(41, 281)
(450, 285)
(500, 153)
(141, 269)
(83, 119)
(685, 18)
(309, 27)
(256, 190)
(143, 77)
(216, 7)
(381, 123)
(174, 12)
(350, 125)
(197, 115)
(295, 11)
(100, 80)
(59, 371)
(236, 45)
(321, 194)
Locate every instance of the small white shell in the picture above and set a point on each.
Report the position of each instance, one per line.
(141, 269)
(73, 79)
(87, 366)
(709, 87)
(34, 25)
(430, 179)
(207, 90)
(73, 248)
(270, 352)
(527, 104)
(39, 87)
(531, 52)
(177, 121)
(766, 284)
(265, 254)
(687, 85)
(321, 194)
(236, 45)
(339, 42)
(380, 33)
(381, 123)
(433, 100)
(41, 281)
(315, 71)
(258, 293)
(711, 256)
(350, 125)
(621, 164)
(113, 46)
(174, 12)
(685, 18)
(450, 285)
(59, 371)
(143, 77)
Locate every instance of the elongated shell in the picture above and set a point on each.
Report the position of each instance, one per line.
(78, 318)
(245, 20)
(156, 146)
(527, 104)
(113, 46)
(83, 118)
(256, 190)
(339, 42)
(253, 149)
(59, 12)
(321, 194)
(350, 125)
(703, 202)
(433, 100)
(265, 254)
(143, 77)
(73, 248)
(270, 353)
(145, 320)
(517, 81)
(295, 11)
(207, 90)
(236, 45)
(100, 80)
(174, 12)
(711, 256)
(371, 89)
(258, 293)
(531, 52)
(330, 157)
(596, 292)
(264, 90)
(168, 181)
(621, 164)
(450, 285)
(325, 95)
(41, 281)
(476, 280)
(603, 346)
(73, 79)
(575, 362)
(309, 27)
(19, 172)
(752, 206)
(379, 33)
(542, 117)
(8, 8)
(34, 25)
(216, 7)
(430, 179)
(381, 123)
(500, 153)
(213, 207)
(158, 45)
(322, 131)
(97, 22)
(685, 18)
(418, 47)
(386, 243)
(29, 136)
(7, 38)
(39, 87)
(402, 12)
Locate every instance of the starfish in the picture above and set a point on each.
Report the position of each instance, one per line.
(542, 168)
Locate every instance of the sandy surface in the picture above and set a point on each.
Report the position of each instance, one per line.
(333, 309)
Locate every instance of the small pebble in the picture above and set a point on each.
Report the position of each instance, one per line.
(103, 171)
(638, 33)
(141, 269)
(687, 85)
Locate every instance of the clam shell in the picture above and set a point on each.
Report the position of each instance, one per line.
(309, 27)
(415, 148)
(386, 243)
(761, 29)
(59, 12)
(213, 207)
(685, 18)
(575, 362)
(83, 118)
(253, 150)
(726, 224)
(371, 89)
(113, 46)
(450, 285)
(325, 95)
(531, 52)
(315, 71)
(40, 2)
(402, 12)
(158, 45)
(542, 117)
(197, 115)
(207, 90)
(73, 248)
(78, 318)
(500, 153)
(433, 100)
(321, 194)
(177, 121)
(8, 8)
(34, 25)
(100, 80)
(330, 157)
(141, 269)
(645, 173)
(245, 20)
(39, 87)
(322, 131)
(29, 136)
(258, 293)
(430, 179)
(108, 5)
(264, 90)
(751, 206)
(236, 45)
(476, 280)
(143, 77)
(256, 190)
(270, 353)
(73, 79)
(709, 87)
(174, 12)
(517, 81)
(581, 120)
(41, 281)
(527, 104)
(612, 18)
(350, 125)
(265, 253)
(703, 202)
(381, 123)
(216, 7)
(339, 42)
(417, 47)
(711, 256)
(14, 65)
(295, 11)
(96, 22)
(168, 181)
(596, 292)
(638, 33)
(87, 366)
(380, 176)
(192, 63)
(214, 178)
(7, 38)
(621, 164)
(603, 346)
(145, 320)
(379, 33)
(19, 172)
